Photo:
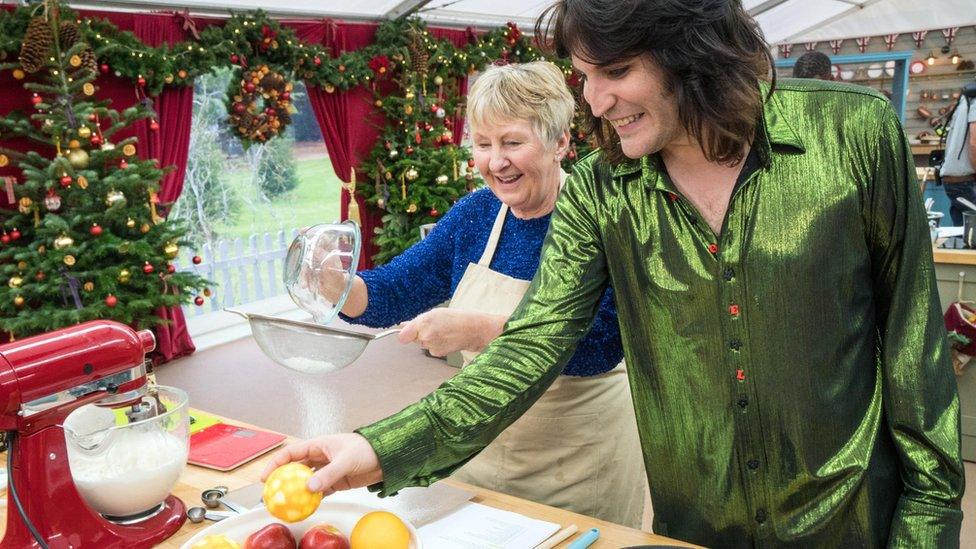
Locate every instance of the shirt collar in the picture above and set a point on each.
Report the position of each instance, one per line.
(773, 134)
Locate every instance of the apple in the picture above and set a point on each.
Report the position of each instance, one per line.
(324, 536)
(272, 536)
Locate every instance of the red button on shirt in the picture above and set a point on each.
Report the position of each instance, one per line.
(713, 248)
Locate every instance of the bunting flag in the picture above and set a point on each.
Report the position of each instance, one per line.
(810, 46)
(835, 45)
(950, 34)
(785, 50)
(862, 43)
(890, 39)
(919, 38)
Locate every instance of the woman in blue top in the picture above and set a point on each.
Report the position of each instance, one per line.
(577, 448)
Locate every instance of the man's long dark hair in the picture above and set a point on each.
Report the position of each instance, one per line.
(711, 51)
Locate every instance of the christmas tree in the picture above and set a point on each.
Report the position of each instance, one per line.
(85, 241)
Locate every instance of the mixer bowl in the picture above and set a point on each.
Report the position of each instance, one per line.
(126, 468)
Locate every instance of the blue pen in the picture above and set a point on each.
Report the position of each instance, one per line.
(586, 539)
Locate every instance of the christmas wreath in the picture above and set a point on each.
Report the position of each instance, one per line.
(262, 106)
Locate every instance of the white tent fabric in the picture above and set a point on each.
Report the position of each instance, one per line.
(783, 21)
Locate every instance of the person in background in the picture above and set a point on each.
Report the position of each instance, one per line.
(577, 447)
(813, 64)
(958, 171)
(772, 269)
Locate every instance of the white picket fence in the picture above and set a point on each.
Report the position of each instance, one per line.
(244, 271)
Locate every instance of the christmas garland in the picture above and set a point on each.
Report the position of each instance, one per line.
(415, 172)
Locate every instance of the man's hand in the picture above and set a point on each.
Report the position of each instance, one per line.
(342, 462)
(444, 330)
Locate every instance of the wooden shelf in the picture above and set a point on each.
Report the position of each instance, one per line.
(954, 257)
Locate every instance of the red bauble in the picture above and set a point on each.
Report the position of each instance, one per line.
(65, 180)
(96, 140)
(269, 111)
(318, 61)
(14, 234)
(111, 300)
(471, 162)
(5, 238)
(141, 81)
(434, 107)
(434, 212)
(147, 268)
(409, 150)
(197, 260)
(104, 68)
(154, 126)
(285, 96)
(239, 108)
(249, 87)
(123, 164)
(95, 230)
(40, 276)
(234, 58)
(170, 268)
(198, 301)
(571, 155)
(36, 99)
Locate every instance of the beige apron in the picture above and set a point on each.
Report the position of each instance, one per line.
(577, 447)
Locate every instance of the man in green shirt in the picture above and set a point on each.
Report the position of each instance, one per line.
(775, 289)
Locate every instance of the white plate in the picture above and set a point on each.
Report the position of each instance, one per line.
(339, 514)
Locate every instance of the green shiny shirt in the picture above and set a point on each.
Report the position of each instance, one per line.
(790, 375)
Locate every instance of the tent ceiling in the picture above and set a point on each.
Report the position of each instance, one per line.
(781, 20)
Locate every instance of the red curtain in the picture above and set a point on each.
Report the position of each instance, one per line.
(348, 119)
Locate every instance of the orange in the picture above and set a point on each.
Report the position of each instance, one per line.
(286, 494)
(380, 530)
(216, 541)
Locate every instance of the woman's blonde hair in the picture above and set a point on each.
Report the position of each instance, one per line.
(535, 92)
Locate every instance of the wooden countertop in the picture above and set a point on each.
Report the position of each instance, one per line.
(196, 479)
(954, 257)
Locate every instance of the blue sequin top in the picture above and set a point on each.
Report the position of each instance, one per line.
(426, 275)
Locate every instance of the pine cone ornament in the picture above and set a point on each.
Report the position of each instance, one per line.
(36, 47)
(69, 34)
(419, 56)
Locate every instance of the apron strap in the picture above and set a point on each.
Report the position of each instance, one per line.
(496, 231)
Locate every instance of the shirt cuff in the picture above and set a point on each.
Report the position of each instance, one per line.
(403, 444)
(918, 524)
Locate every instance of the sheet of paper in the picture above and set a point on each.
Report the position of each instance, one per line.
(418, 505)
(476, 526)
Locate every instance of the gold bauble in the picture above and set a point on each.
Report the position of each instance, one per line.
(84, 132)
(380, 203)
(207, 292)
(107, 146)
(144, 228)
(408, 109)
(69, 260)
(22, 265)
(19, 301)
(4, 160)
(82, 182)
(19, 74)
(129, 149)
(411, 208)
(329, 88)
(41, 249)
(113, 198)
(24, 205)
(412, 174)
(409, 95)
(75, 61)
(171, 250)
(88, 286)
(78, 158)
(438, 80)
(74, 144)
(441, 180)
(168, 79)
(63, 242)
(130, 223)
(88, 89)
(124, 276)
(15, 282)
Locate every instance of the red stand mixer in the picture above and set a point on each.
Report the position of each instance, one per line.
(42, 380)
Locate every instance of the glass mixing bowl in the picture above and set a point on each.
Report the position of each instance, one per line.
(124, 467)
(320, 268)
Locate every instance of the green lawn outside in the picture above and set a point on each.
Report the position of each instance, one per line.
(315, 200)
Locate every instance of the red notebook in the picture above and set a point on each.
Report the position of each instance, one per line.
(224, 447)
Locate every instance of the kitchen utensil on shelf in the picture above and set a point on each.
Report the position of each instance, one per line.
(199, 514)
(307, 347)
(214, 497)
(81, 396)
